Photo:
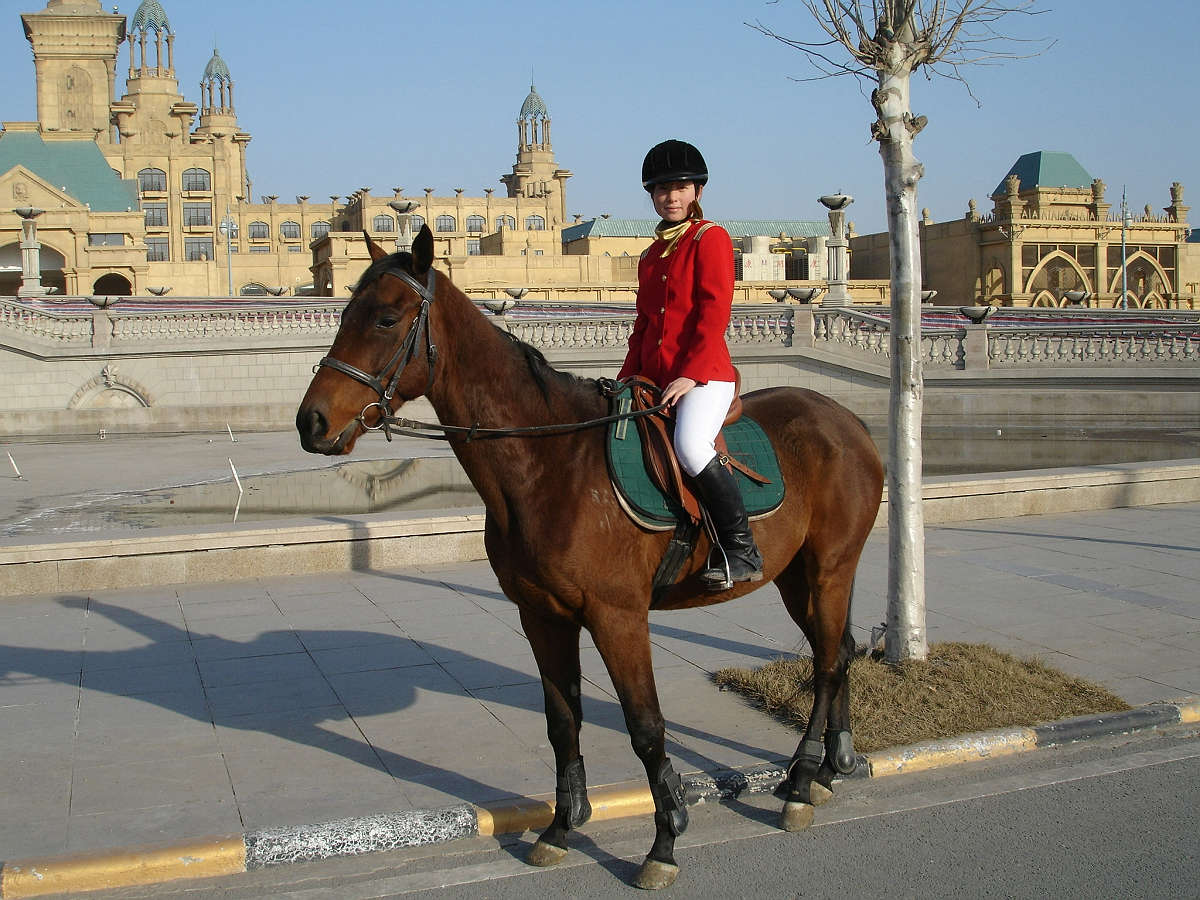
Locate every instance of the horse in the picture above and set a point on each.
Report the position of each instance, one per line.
(563, 549)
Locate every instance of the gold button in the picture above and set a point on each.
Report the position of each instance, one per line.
(664, 278)
(662, 309)
(660, 342)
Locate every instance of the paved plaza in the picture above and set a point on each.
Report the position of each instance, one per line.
(160, 715)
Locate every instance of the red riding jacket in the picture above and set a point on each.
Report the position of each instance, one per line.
(683, 307)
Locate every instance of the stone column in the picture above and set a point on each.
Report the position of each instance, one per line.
(31, 254)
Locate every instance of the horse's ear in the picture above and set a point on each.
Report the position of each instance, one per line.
(377, 252)
(422, 251)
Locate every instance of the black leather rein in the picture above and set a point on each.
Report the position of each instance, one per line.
(405, 353)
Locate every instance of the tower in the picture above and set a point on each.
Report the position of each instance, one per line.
(535, 173)
(75, 47)
(152, 110)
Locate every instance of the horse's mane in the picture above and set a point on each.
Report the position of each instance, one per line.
(544, 374)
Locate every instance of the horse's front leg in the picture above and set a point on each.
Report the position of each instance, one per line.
(624, 641)
(556, 649)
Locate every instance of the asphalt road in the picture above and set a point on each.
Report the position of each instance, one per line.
(1118, 818)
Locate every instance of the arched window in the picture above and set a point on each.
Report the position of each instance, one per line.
(383, 223)
(445, 223)
(535, 223)
(476, 223)
(506, 222)
(152, 180)
(260, 231)
(290, 231)
(197, 180)
(253, 290)
(319, 230)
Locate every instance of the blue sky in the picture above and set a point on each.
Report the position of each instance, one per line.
(375, 93)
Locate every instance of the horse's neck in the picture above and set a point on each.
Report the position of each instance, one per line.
(484, 379)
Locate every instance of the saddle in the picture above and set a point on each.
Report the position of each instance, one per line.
(658, 446)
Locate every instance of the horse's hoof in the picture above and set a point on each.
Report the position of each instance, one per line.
(542, 854)
(818, 793)
(796, 816)
(655, 875)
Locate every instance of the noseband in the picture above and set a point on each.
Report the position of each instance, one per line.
(400, 359)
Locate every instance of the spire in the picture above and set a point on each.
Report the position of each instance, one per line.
(533, 124)
(216, 87)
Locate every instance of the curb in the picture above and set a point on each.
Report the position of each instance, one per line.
(235, 854)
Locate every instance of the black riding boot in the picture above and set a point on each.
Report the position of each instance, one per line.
(721, 497)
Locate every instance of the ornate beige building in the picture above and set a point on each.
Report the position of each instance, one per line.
(149, 192)
(1051, 238)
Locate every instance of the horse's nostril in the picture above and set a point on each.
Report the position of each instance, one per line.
(311, 424)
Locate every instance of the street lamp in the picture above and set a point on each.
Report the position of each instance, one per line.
(229, 228)
(1126, 221)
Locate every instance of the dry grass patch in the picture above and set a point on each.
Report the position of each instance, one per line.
(961, 688)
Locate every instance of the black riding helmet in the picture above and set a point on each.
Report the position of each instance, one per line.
(673, 161)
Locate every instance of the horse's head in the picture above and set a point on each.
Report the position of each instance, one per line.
(382, 355)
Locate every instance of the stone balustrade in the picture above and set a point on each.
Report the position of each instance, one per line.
(1020, 340)
(1102, 345)
(196, 365)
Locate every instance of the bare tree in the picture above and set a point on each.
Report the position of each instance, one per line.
(885, 42)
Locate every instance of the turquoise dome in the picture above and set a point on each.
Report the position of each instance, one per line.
(216, 70)
(150, 17)
(534, 106)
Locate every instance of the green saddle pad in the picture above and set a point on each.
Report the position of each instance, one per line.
(650, 507)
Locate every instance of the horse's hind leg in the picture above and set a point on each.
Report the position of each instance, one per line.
(820, 604)
(556, 649)
(624, 641)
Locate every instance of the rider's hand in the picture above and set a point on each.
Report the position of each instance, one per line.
(676, 389)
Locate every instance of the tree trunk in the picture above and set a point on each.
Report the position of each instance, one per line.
(905, 635)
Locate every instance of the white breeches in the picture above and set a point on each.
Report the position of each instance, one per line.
(698, 418)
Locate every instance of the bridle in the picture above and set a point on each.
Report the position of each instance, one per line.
(400, 359)
(405, 353)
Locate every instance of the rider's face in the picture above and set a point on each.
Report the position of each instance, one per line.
(671, 199)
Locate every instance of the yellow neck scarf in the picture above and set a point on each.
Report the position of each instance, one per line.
(672, 233)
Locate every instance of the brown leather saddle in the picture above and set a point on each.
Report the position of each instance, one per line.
(658, 445)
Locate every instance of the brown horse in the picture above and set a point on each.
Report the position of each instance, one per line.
(563, 549)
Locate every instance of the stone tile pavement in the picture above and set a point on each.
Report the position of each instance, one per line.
(159, 715)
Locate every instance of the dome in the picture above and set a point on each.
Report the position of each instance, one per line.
(534, 106)
(150, 17)
(216, 70)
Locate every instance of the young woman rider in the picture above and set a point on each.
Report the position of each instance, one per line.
(684, 301)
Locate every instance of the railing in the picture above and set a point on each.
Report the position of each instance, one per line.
(1012, 340)
(850, 329)
(1054, 345)
(289, 321)
(553, 328)
(58, 329)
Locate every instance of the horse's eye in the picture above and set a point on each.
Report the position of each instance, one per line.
(388, 322)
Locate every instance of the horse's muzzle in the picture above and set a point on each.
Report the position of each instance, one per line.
(313, 429)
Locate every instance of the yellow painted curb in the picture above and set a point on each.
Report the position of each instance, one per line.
(931, 754)
(204, 858)
(1189, 710)
(528, 814)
